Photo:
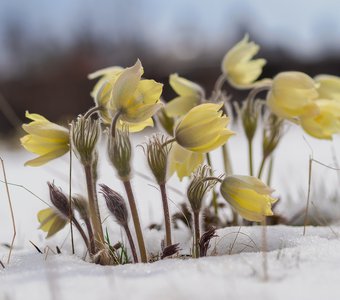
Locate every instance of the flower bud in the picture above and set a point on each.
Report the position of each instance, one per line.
(116, 205)
(199, 186)
(59, 200)
(85, 134)
(119, 151)
(157, 152)
(80, 204)
(249, 114)
(272, 133)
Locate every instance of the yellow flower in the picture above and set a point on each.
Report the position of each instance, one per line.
(329, 87)
(249, 196)
(190, 95)
(326, 123)
(183, 162)
(240, 68)
(102, 90)
(203, 128)
(124, 91)
(44, 138)
(51, 221)
(292, 95)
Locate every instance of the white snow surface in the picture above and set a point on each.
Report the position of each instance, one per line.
(299, 267)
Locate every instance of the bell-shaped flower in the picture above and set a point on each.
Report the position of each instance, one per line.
(189, 93)
(326, 123)
(124, 91)
(292, 95)
(329, 87)
(44, 138)
(248, 196)
(240, 68)
(203, 128)
(183, 162)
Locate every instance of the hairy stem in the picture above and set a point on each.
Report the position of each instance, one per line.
(94, 209)
(132, 244)
(214, 195)
(136, 222)
(166, 215)
(197, 234)
(250, 154)
(82, 233)
(91, 237)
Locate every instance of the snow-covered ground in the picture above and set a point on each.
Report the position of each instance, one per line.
(298, 267)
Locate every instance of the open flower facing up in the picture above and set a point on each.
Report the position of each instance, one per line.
(240, 68)
(292, 95)
(329, 87)
(249, 196)
(44, 138)
(190, 95)
(203, 128)
(326, 123)
(183, 162)
(135, 99)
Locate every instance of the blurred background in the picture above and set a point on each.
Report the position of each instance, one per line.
(47, 48)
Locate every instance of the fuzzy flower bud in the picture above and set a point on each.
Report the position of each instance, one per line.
(85, 134)
(59, 200)
(249, 196)
(157, 152)
(199, 186)
(119, 151)
(116, 205)
(80, 204)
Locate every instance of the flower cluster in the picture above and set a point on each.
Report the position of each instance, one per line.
(194, 125)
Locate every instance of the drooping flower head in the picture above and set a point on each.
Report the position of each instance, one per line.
(292, 95)
(203, 128)
(240, 68)
(189, 93)
(44, 138)
(249, 196)
(135, 99)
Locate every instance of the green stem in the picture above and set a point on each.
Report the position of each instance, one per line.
(259, 174)
(94, 209)
(270, 170)
(226, 160)
(250, 154)
(166, 215)
(197, 234)
(70, 200)
(135, 218)
(132, 244)
(214, 195)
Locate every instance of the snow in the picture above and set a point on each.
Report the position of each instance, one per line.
(299, 267)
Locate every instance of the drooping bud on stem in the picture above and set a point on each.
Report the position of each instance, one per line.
(116, 205)
(59, 200)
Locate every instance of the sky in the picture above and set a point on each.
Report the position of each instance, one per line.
(306, 27)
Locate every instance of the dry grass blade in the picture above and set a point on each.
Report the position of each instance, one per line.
(11, 210)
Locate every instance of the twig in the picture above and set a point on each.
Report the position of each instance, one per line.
(11, 210)
(308, 194)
